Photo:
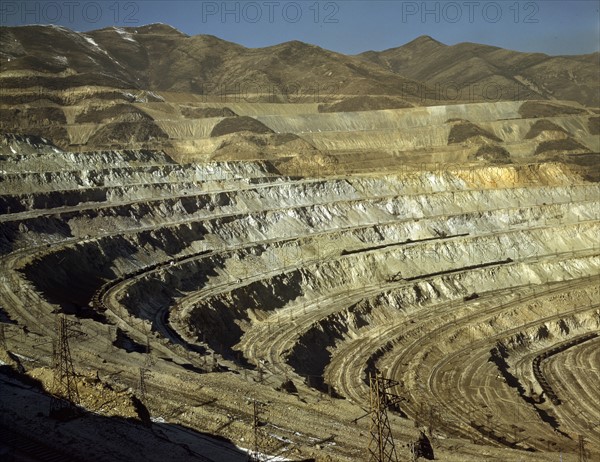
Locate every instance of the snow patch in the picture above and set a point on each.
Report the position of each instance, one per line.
(158, 420)
(92, 42)
(154, 95)
(265, 457)
(130, 96)
(56, 26)
(280, 438)
(126, 35)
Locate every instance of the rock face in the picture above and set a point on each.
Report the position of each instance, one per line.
(319, 281)
(239, 124)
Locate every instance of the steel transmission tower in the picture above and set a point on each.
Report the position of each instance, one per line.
(64, 387)
(381, 444)
(142, 385)
(256, 454)
(581, 449)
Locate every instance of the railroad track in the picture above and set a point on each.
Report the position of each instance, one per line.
(113, 285)
(434, 379)
(537, 362)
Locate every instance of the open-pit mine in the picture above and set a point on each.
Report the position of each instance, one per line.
(197, 277)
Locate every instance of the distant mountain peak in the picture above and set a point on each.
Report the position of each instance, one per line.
(297, 44)
(159, 57)
(156, 28)
(425, 39)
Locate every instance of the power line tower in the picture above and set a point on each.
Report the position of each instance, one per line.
(381, 444)
(581, 444)
(256, 454)
(2, 337)
(64, 386)
(142, 384)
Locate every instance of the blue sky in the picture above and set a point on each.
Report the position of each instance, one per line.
(348, 26)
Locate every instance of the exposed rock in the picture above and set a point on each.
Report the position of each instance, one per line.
(239, 124)
(464, 130)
